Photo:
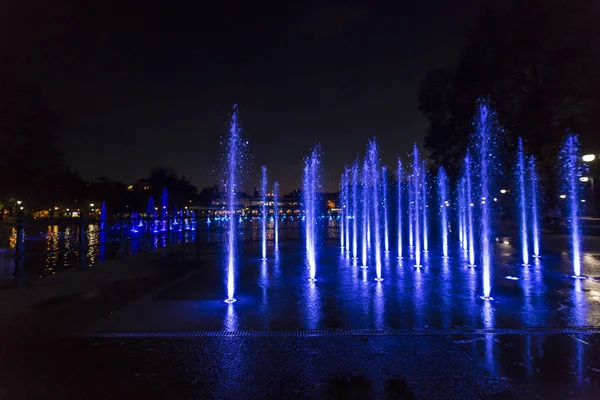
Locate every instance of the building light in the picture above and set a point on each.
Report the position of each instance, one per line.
(503, 191)
(584, 179)
(588, 157)
(563, 196)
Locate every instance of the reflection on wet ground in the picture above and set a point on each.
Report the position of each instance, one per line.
(526, 351)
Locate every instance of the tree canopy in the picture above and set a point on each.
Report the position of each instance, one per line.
(537, 62)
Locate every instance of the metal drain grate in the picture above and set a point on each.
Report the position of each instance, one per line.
(574, 330)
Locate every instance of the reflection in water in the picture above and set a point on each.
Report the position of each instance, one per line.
(488, 323)
(312, 307)
(579, 311)
(230, 323)
(420, 305)
(378, 302)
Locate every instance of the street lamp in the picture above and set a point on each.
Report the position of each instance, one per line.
(584, 179)
(588, 157)
(503, 191)
(19, 202)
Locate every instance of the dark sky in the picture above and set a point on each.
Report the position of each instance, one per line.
(149, 83)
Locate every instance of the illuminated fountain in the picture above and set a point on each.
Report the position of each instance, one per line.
(485, 141)
(443, 208)
(102, 223)
(535, 219)
(343, 185)
(365, 211)
(276, 213)
(469, 206)
(462, 218)
(411, 211)
(263, 211)
(234, 160)
(347, 206)
(424, 206)
(310, 187)
(354, 209)
(164, 211)
(522, 203)
(571, 171)
(399, 233)
(373, 153)
(151, 211)
(384, 183)
(416, 200)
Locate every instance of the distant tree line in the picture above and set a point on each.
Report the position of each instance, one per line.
(538, 63)
(33, 171)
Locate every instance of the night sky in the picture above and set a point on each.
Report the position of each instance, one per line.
(149, 83)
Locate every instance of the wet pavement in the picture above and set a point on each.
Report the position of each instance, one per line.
(420, 334)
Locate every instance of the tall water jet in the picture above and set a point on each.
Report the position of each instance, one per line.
(347, 203)
(416, 189)
(571, 171)
(424, 205)
(233, 158)
(469, 204)
(535, 219)
(263, 211)
(462, 237)
(485, 141)
(399, 233)
(411, 211)
(522, 203)
(373, 153)
(443, 209)
(354, 209)
(384, 183)
(276, 213)
(343, 210)
(311, 183)
(365, 210)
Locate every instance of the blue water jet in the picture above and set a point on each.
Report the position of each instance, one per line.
(424, 206)
(416, 190)
(535, 219)
(485, 133)
(263, 211)
(522, 202)
(469, 205)
(276, 213)
(384, 202)
(232, 186)
(354, 209)
(571, 171)
(347, 206)
(373, 153)
(399, 228)
(343, 211)
(310, 186)
(443, 208)
(102, 223)
(365, 211)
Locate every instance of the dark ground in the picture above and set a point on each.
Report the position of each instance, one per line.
(161, 331)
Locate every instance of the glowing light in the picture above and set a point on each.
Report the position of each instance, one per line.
(584, 179)
(563, 196)
(588, 157)
(495, 199)
(503, 191)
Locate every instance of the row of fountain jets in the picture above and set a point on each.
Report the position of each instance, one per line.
(365, 207)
